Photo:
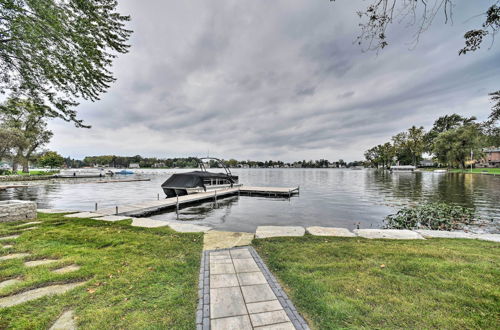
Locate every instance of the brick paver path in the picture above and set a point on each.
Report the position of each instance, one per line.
(237, 291)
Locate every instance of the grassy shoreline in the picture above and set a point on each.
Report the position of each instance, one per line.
(360, 283)
(136, 277)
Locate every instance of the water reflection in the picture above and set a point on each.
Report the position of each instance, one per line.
(329, 197)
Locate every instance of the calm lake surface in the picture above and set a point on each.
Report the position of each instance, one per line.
(328, 197)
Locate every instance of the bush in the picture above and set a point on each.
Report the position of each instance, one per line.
(436, 216)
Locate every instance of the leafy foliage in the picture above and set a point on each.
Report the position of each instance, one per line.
(27, 119)
(57, 51)
(454, 147)
(51, 159)
(435, 216)
(9, 139)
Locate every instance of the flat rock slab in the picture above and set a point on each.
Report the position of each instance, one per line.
(67, 269)
(188, 228)
(388, 233)
(488, 237)
(55, 211)
(279, 231)
(37, 293)
(14, 256)
(330, 231)
(458, 234)
(112, 218)
(148, 223)
(444, 234)
(65, 322)
(8, 246)
(29, 223)
(225, 239)
(29, 228)
(6, 238)
(84, 215)
(35, 263)
(8, 283)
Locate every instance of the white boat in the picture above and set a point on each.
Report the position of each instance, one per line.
(403, 168)
(440, 171)
(83, 173)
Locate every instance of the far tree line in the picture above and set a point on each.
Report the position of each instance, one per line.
(452, 141)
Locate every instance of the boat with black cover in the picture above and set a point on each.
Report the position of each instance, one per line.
(180, 184)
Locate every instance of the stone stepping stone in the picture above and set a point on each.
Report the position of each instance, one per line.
(112, 218)
(84, 215)
(6, 238)
(67, 269)
(8, 283)
(8, 246)
(279, 231)
(29, 223)
(35, 263)
(388, 233)
(329, 231)
(188, 228)
(65, 322)
(55, 211)
(148, 223)
(215, 239)
(29, 228)
(37, 293)
(14, 256)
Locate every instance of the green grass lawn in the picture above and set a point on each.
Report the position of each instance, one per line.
(374, 284)
(478, 170)
(138, 278)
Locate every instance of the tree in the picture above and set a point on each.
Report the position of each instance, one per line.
(381, 154)
(421, 14)
(57, 51)
(409, 146)
(454, 146)
(27, 118)
(51, 159)
(379, 14)
(444, 124)
(9, 139)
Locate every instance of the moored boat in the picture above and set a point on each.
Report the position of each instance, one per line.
(180, 184)
(403, 168)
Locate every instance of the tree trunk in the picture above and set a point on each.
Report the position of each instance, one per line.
(26, 168)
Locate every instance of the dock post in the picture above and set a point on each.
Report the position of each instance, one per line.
(215, 197)
(158, 196)
(177, 206)
(117, 209)
(96, 206)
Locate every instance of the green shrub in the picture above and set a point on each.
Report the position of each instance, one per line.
(436, 216)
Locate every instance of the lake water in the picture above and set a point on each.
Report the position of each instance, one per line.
(328, 197)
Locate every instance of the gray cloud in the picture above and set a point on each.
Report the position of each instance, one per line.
(269, 80)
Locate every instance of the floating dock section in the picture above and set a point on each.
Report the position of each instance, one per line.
(151, 207)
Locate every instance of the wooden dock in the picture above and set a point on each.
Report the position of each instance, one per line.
(155, 206)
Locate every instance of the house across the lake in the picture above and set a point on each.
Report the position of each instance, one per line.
(134, 165)
(491, 158)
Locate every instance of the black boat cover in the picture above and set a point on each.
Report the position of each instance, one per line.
(194, 179)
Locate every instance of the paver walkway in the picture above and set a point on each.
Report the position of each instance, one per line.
(237, 291)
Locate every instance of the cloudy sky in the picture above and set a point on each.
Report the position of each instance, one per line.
(277, 79)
